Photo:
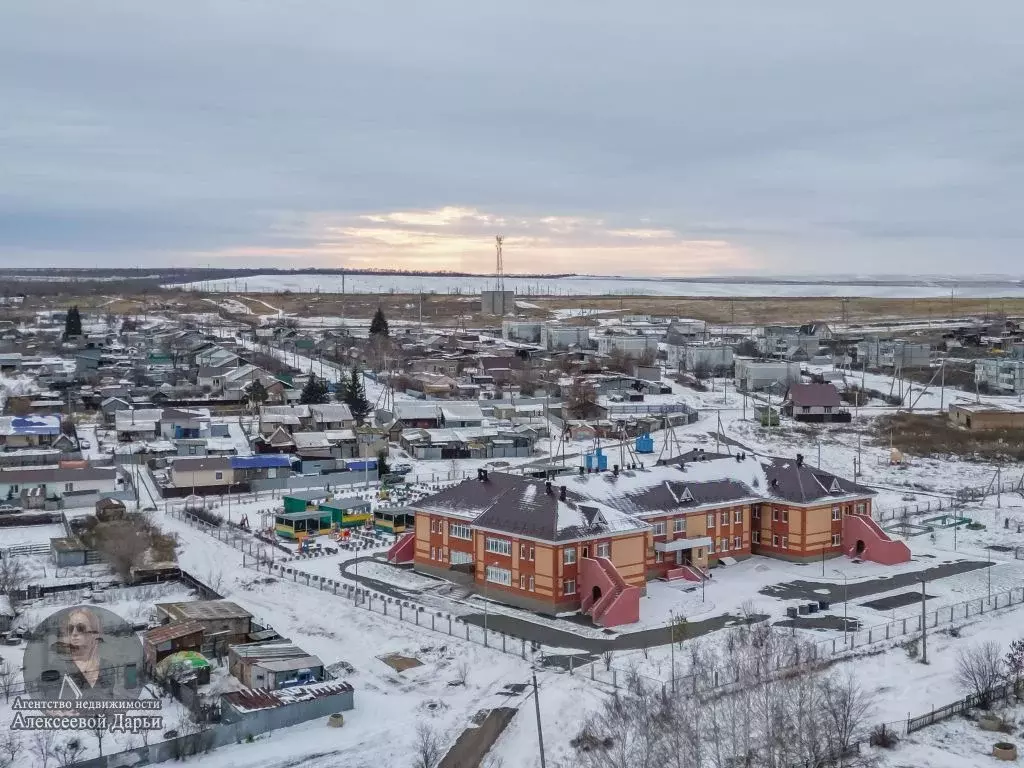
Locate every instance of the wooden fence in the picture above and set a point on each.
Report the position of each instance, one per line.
(1000, 692)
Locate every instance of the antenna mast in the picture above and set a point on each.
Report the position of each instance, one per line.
(499, 268)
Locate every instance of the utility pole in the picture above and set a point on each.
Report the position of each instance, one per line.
(942, 385)
(924, 625)
(540, 729)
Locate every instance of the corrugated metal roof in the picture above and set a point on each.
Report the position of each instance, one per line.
(250, 700)
(265, 461)
(172, 631)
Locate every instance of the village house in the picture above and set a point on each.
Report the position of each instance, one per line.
(34, 431)
(815, 403)
(224, 623)
(59, 487)
(137, 424)
(274, 665)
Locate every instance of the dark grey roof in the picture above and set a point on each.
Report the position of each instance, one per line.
(56, 474)
(805, 484)
(814, 395)
(201, 464)
(523, 507)
(697, 454)
(682, 495)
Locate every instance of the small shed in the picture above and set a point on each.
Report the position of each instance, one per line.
(348, 513)
(108, 510)
(270, 710)
(300, 501)
(169, 639)
(68, 552)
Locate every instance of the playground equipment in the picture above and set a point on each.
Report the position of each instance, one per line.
(244, 523)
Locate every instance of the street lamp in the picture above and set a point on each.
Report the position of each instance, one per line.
(846, 602)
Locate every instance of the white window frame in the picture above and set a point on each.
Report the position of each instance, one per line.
(460, 531)
(861, 508)
(569, 556)
(498, 546)
(531, 553)
(837, 539)
(737, 542)
(711, 521)
(497, 575)
(659, 557)
(711, 547)
(775, 514)
(569, 587)
(604, 549)
(725, 519)
(837, 513)
(679, 525)
(69, 487)
(218, 475)
(755, 537)
(458, 557)
(755, 513)
(531, 584)
(785, 542)
(723, 544)
(658, 528)
(737, 516)
(522, 581)
(775, 539)
(785, 516)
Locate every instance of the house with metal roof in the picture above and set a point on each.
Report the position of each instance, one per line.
(33, 431)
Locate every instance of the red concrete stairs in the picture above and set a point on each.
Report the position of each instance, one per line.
(687, 572)
(607, 598)
(864, 539)
(403, 550)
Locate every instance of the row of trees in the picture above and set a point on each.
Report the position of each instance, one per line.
(350, 390)
(807, 716)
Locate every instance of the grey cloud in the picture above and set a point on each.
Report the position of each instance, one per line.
(870, 133)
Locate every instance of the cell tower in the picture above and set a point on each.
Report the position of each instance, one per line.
(499, 268)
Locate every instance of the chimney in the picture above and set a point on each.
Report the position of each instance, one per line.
(561, 493)
(615, 470)
(547, 487)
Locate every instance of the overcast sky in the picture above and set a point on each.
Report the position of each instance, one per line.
(669, 137)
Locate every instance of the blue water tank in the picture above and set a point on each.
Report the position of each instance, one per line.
(645, 444)
(602, 461)
(588, 460)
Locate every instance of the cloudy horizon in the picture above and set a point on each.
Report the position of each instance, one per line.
(659, 138)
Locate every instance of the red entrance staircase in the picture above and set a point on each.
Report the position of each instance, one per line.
(403, 550)
(863, 538)
(607, 598)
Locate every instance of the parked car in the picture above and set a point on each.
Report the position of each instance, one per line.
(401, 469)
(84, 444)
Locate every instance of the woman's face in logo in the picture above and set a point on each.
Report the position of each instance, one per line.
(81, 635)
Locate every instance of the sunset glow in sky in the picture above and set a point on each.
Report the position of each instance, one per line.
(655, 138)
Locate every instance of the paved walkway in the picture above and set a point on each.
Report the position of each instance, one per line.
(550, 635)
(836, 593)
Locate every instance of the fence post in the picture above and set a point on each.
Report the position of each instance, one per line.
(615, 679)
(904, 627)
(449, 624)
(467, 632)
(523, 652)
(503, 636)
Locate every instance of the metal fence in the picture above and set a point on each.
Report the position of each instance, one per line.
(1000, 692)
(908, 510)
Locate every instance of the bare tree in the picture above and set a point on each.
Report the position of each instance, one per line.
(69, 752)
(13, 578)
(99, 733)
(462, 672)
(427, 747)
(11, 746)
(41, 745)
(979, 669)
(8, 679)
(581, 400)
(848, 709)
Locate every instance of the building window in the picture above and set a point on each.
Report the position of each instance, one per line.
(522, 582)
(604, 550)
(737, 516)
(459, 531)
(658, 557)
(725, 519)
(218, 475)
(775, 541)
(679, 525)
(499, 546)
(569, 588)
(828, 409)
(433, 525)
(659, 528)
(69, 487)
(522, 551)
(785, 542)
(737, 542)
(861, 508)
(497, 575)
(531, 553)
(723, 545)
(531, 583)
(755, 537)
(836, 539)
(711, 547)
(433, 554)
(461, 558)
(569, 555)
(775, 513)
(836, 513)
(755, 512)
(711, 521)
(785, 515)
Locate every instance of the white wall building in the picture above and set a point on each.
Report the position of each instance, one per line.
(630, 345)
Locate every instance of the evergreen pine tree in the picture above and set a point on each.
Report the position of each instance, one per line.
(382, 463)
(257, 393)
(73, 322)
(314, 392)
(353, 394)
(379, 324)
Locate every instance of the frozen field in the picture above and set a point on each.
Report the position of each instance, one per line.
(598, 286)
